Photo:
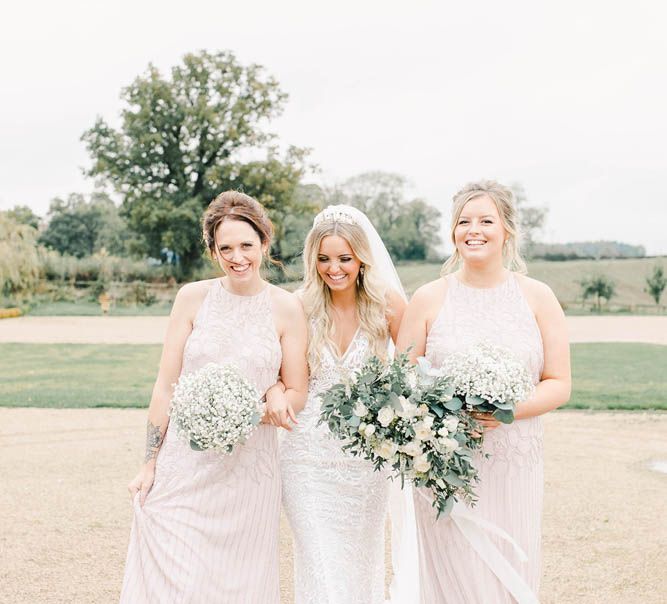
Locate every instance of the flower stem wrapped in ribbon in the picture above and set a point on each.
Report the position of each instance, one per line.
(391, 414)
(215, 408)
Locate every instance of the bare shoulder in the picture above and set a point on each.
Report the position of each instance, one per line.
(394, 299)
(538, 294)
(430, 294)
(191, 295)
(286, 303)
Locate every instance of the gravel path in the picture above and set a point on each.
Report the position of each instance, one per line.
(66, 514)
(150, 330)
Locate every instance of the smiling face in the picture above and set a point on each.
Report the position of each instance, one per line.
(337, 264)
(479, 234)
(238, 250)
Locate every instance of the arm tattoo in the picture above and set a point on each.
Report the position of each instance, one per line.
(154, 440)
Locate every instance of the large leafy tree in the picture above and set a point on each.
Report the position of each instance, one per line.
(19, 257)
(409, 228)
(80, 227)
(182, 139)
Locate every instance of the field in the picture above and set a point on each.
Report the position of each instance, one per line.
(605, 376)
(564, 277)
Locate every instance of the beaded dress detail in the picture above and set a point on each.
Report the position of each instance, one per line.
(511, 479)
(335, 503)
(209, 529)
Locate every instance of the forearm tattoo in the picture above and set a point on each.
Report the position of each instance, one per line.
(154, 438)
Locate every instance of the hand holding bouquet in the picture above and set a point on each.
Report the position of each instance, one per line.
(386, 415)
(215, 408)
(486, 379)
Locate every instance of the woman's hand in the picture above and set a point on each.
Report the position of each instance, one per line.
(486, 420)
(279, 411)
(143, 482)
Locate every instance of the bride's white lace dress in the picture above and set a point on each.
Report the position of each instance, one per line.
(336, 503)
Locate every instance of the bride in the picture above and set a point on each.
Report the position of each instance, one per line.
(336, 503)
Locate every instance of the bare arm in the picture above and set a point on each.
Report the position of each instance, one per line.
(287, 397)
(553, 390)
(178, 330)
(396, 306)
(417, 319)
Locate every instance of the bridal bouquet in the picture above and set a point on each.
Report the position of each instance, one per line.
(215, 408)
(389, 413)
(485, 378)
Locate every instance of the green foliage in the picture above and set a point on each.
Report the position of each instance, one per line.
(19, 260)
(24, 215)
(409, 229)
(587, 249)
(56, 267)
(180, 144)
(656, 282)
(80, 227)
(600, 286)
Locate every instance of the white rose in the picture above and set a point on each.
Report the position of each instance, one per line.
(360, 410)
(386, 449)
(370, 430)
(422, 464)
(450, 444)
(451, 423)
(413, 449)
(422, 431)
(362, 428)
(385, 416)
(428, 421)
(408, 409)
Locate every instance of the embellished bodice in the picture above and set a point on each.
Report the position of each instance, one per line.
(238, 330)
(332, 370)
(500, 315)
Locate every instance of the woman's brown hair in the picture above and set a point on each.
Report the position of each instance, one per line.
(234, 205)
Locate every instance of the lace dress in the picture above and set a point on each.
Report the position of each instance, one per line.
(209, 529)
(511, 478)
(335, 503)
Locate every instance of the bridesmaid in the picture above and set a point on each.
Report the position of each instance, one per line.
(206, 526)
(483, 295)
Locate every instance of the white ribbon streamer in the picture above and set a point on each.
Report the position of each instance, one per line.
(475, 530)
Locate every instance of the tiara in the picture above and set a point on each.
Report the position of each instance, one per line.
(335, 214)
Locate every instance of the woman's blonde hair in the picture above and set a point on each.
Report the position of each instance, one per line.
(503, 197)
(316, 295)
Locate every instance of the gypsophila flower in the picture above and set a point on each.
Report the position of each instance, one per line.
(215, 408)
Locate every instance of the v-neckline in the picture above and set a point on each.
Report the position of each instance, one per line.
(342, 358)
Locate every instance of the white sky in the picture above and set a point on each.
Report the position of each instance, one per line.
(568, 97)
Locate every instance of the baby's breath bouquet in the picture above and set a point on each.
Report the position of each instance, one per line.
(215, 408)
(388, 415)
(485, 378)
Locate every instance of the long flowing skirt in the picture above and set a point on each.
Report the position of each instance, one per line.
(510, 497)
(209, 529)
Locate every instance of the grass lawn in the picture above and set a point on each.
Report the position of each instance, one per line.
(605, 376)
(77, 375)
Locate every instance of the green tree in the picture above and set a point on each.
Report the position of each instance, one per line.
(600, 286)
(19, 258)
(181, 141)
(655, 283)
(531, 219)
(80, 227)
(24, 215)
(409, 229)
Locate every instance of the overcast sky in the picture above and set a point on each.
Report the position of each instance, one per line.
(566, 97)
